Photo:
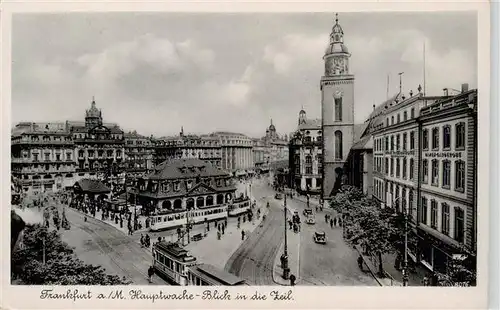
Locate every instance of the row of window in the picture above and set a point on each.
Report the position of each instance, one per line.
(446, 137)
(397, 119)
(400, 142)
(399, 167)
(176, 185)
(446, 167)
(459, 218)
(405, 168)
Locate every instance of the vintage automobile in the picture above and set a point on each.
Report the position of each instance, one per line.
(320, 237)
(278, 196)
(308, 211)
(311, 220)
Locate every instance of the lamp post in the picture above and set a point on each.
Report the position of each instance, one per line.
(405, 255)
(284, 257)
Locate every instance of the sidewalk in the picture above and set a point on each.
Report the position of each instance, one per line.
(393, 276)
(293, 249)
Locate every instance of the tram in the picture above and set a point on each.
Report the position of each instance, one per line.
(208, 275)
(177, 219)
(239, 206)
(172, 262)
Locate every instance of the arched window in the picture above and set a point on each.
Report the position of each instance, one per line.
(200, 202)
(338, 144)
(220, 199)
(177, 204)
(167, 205)
(190, 203)
(210, 200)
(228, 198)
(338, 109)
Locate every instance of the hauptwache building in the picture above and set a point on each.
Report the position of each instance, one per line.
(425, 159)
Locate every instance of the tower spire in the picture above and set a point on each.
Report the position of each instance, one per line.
(336, 18)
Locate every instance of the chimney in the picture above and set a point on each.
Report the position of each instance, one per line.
(445, 92)
(373, 107)
(411, 93)
(465, 87)
(403, 97)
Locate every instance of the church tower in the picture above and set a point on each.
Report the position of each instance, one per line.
(337, 109)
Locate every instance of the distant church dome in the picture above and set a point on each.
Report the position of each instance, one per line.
(93, 112)
(271, 127)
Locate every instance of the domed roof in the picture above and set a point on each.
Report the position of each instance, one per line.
(93, 111)
(336, 39)
(336, 48)
(271, 127)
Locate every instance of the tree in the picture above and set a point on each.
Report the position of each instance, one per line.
(44, 259)
(364, 223)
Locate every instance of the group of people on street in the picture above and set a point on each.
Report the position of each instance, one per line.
(145, 241)
(333, 220)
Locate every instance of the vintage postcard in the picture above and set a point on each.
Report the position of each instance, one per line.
(245, 156)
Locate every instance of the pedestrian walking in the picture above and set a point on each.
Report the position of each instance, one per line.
(147, 240)
(335, 221)
(151, 272)
(292, 279)
(142, 240)
(242, 235)
(326, 218)
(223, 227)
(331, 223)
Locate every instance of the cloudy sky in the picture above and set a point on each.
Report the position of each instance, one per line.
(206, 72)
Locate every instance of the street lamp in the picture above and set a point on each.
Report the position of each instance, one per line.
(284, 257)
(405, 263)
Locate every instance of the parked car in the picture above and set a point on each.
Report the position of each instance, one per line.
(320, 237)
(278, 196)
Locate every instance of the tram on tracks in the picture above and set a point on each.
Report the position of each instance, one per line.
(239, 206)
(172, 262)
(177, 219)
(177, 266)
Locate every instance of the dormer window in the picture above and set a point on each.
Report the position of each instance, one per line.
(177, 186)
(189, 184)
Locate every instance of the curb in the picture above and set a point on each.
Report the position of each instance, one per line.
(368, 266)
(277, 261)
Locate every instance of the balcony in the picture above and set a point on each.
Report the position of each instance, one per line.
(41, 142)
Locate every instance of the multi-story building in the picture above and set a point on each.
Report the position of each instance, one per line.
(258, 151)
(42, 156)
(52, 156)
(205, 147)
(447, 193)
(236, 150)
(305, 155)
(99, 147)
(337, 110)
(275, 146)
(138, 154)
(424, 158)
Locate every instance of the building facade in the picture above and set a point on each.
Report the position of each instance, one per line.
(236, 151)
(52, 156)
(258, 151)
(275, 146)
(181, 192)
(337, 109)
(305, 154)
(99, 147)
(424, 158)
(42, 156)
(138, 154)
(204, 147)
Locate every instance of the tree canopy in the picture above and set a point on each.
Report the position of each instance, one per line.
(43, 258)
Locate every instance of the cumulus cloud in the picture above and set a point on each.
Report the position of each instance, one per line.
(168, 73)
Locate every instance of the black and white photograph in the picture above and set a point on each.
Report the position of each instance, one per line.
(245, 149)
